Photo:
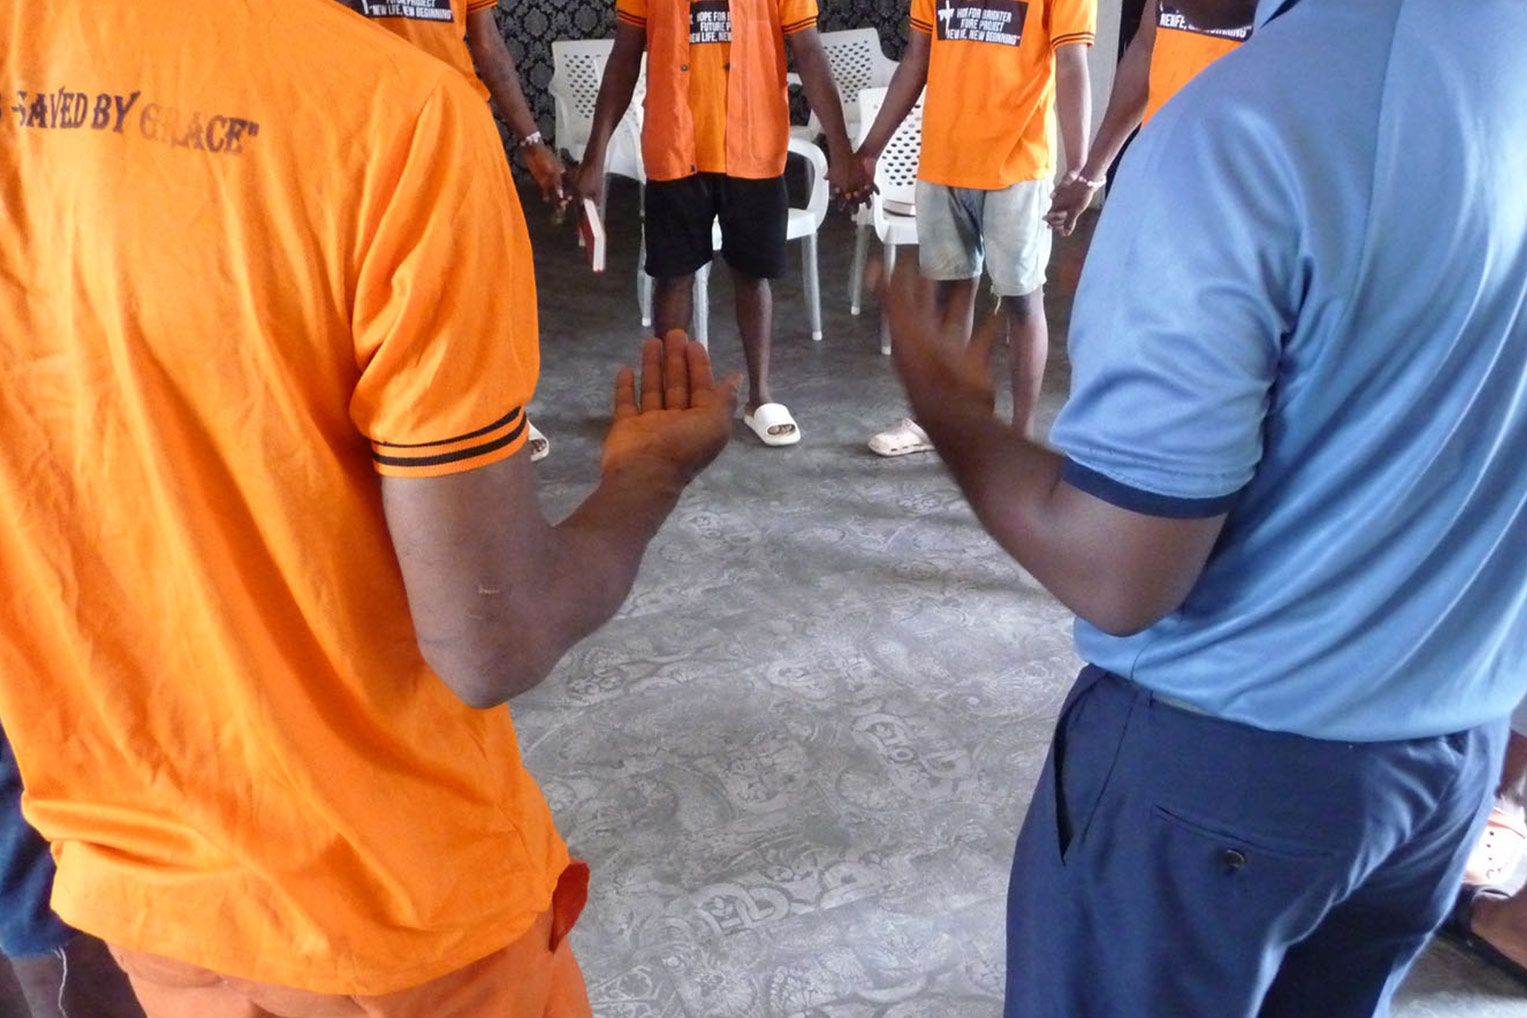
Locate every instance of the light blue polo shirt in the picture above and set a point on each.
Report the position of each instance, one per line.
(1306, 307)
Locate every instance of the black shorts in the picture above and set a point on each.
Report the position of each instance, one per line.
(753, 215)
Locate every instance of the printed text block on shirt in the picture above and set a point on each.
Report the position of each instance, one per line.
(999, 22)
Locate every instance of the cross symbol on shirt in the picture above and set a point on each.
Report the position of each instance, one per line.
(946, 14)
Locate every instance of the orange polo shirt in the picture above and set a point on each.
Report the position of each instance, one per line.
(1181, 51)
(438, 27)
(225, 307)
(710, 54)
(991, 83)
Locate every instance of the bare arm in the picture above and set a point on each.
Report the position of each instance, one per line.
(497, 594)
(495, 66)
(822, 94)
(1126, 103)
(1073, 103)
(615, 89)
(1119, 570)
(1126, 107)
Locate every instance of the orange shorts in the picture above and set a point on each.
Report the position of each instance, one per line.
(534, 977)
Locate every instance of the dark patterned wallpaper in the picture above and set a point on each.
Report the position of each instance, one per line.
(530, 26)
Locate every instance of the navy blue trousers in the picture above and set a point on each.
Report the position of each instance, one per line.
(28, 927)
(1175, 865)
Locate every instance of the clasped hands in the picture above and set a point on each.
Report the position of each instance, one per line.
(1072, 197)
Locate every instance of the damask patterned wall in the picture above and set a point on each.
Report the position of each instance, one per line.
(530, 26)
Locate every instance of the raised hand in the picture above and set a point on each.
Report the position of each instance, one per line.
(679, 419)
(940, 371)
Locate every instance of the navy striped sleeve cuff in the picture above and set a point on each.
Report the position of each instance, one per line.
(450, 452)
(1072, 39)
(801, 25)
(1146, 503)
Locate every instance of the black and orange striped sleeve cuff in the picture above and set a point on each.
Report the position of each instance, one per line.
(473, 6)
(626, 18)
(801, 25)
(919, 25)
(488, 444)
(1072, 39)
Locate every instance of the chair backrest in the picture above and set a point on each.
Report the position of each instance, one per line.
(857, 61)
(577, 72)
(578, 68)
(896, 170)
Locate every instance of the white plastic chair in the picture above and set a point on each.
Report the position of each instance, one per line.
(803, 224)
(892, 210)
(578, 69)
(578, 72)
(857, 63)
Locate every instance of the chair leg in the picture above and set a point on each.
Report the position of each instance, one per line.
(885, 325)
(701, 310)
(813, 286)
(644, 283)
(856, 275)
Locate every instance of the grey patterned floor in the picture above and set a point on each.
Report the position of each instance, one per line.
(798, 757)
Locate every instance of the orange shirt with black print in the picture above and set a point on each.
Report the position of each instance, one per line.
(991, 85)
(709, 76)
(1181, 51)
(438, 27)
(226, 307)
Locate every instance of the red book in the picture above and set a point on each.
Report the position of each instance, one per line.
(591, 234)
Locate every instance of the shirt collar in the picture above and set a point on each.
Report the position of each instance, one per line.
(1266, 9)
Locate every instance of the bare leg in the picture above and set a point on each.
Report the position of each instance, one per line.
(755, 321)
(672, 304)
(1028, 348)
(957, 305)
(86, 979)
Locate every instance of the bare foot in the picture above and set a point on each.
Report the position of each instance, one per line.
(1502, 923)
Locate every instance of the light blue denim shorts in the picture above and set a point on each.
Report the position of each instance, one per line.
(962, 229)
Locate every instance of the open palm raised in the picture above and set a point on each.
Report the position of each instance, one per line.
(680, 418)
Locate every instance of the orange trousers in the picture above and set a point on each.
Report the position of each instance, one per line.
(534, 977)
